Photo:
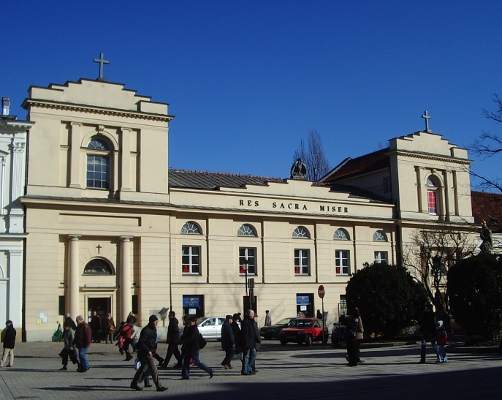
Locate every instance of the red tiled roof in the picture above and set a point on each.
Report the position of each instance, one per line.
(360, 165)
(488, 207)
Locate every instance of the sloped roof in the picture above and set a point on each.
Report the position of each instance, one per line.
(488, 207)
(213, 180)
(360, 165)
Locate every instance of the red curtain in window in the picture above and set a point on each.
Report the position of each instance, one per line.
(431, 201)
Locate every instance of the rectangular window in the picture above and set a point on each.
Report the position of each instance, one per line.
(98, 172)
(135, 304)
(61, 305)
(432, 202)
(381, 257)
(302, 262)
(190, 260)
(249, 254)
(342, 265)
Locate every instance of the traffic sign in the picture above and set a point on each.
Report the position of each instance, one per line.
(321, 291)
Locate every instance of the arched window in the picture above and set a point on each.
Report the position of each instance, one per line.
(432, 190)
(341, 234)
(246, 230)
(301, 232)
(98, 164)
(379, 236)
(98, 267)
(191, 228)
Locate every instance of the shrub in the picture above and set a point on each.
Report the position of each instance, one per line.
(474, 289)
(388, 298)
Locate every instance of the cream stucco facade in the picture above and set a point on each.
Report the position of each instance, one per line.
(111, 228)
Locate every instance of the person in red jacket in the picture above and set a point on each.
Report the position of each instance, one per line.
(83, 336)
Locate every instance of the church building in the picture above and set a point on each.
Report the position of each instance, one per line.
(111, 228)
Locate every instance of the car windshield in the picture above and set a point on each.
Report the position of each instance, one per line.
(284, 321)
(300, 323)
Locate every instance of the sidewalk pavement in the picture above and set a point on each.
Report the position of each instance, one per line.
(290, 372)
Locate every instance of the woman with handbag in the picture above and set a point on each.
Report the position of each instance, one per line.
(109, 328)
(68, 349)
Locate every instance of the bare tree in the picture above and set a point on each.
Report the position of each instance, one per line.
(488, 145)
(430, 254)
(313, 156)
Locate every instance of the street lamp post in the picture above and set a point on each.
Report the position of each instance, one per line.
(436, 272)
(245, 264)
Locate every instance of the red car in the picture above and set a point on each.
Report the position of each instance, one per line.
(304, 330)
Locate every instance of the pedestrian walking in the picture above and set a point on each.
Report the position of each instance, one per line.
(428, 329)
(68, 349)
(9, 343)
(441, 337)
(257, 342)
(83, 336)
(173, 338)
(249, 339)
(147, 347)
(268, 318)
(227, 342)
(191, 341)
(352, 323)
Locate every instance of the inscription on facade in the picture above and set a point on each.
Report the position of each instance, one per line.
(295, 206)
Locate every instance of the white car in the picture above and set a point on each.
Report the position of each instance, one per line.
(209, 327)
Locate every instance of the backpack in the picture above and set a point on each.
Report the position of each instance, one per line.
(202, 341)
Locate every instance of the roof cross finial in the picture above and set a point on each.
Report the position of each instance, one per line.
(101, 61)
(427, 117)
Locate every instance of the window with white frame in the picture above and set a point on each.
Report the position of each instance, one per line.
(342, 262)
(98, 164)
(190, 228)
(246, 230)
(302, 262)
(301, 232)
(247, 257)
(381, 257)
(190, 260)
(341, 234)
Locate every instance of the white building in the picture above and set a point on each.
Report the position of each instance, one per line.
(12, 185)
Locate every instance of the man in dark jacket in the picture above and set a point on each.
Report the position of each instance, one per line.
(428, 328)
(147, 347)
(191, 347)
(227, 342)
(96, 327)
(249, 339)
(69, 322)
(237, 333)
(9, 342)
(173, 338)
(83, 336)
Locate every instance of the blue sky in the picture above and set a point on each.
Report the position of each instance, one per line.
(247, 80)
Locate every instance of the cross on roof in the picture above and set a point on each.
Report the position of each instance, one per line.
(427, 117)
(101, 61)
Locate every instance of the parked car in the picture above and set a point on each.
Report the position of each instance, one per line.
(304, 330)
(209, 327)
(337, 334)
(271, 332)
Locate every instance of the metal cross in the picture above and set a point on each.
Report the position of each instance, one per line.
(427, 117)
(99, 248)
(101, 61)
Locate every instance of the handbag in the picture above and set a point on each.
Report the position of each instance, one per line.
(202, 341)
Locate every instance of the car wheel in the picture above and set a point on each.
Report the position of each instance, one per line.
(308, 342)
(283, 343)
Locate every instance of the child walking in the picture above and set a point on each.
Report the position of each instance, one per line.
(441, 336)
